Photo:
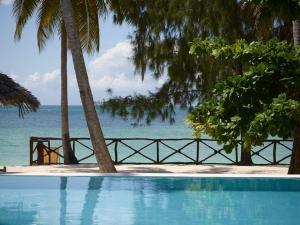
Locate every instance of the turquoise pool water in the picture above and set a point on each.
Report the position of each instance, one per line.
(28, 200)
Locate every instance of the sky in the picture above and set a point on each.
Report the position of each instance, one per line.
(39, 72)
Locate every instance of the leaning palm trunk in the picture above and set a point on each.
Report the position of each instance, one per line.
(103, 158)
(69, 157)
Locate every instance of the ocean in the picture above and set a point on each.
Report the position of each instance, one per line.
(15, 132)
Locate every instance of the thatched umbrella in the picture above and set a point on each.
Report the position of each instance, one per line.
(12, 94)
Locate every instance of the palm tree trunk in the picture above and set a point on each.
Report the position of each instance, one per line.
(69, 157)
(103, 158)
(296, 32)
(295, 159)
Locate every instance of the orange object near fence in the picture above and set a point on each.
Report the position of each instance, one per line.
(46, 156)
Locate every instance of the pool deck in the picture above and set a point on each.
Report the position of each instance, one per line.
(130, 169)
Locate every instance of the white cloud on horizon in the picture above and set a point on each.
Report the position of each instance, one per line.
(114, 58)
(111, 69)
(36, 79)
(6, 2)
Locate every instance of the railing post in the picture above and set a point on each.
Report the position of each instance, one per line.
(116, 152)
(274, 153)
(73, 146)
(31, 151)
(49, 152)
(197, 153)
(236, 154)
(157, 151)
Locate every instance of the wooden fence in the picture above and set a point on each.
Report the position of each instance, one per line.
(159, 151)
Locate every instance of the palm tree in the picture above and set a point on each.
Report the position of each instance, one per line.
(49, 20)
(101, 151)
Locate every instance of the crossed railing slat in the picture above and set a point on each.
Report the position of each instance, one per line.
(189, 148)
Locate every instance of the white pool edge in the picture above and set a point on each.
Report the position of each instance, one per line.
(182, 175)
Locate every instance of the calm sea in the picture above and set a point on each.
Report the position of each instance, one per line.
(15, 131)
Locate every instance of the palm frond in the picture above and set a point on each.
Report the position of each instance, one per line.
(23, 10)
(86, 15)
(103, 7)
(48, 20)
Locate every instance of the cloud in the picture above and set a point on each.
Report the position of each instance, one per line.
(111, 69)
(6, 2)
(114, 58)
(122, 85)
(37, 79)
(13, 76)
(45, 86)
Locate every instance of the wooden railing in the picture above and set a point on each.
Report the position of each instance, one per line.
(160, 151)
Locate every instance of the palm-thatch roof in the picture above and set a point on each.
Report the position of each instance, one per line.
(13, 94)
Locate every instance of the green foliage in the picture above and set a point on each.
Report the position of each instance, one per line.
(161, 39)
(277, 119)
(256, 52)
(146, 108)
(140, 108)
(272, 75)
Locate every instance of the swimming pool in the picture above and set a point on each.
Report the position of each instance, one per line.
(138, 200)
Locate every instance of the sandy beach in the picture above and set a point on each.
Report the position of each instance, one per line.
(189, 169)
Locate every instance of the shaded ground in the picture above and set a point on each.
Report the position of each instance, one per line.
(191, 169)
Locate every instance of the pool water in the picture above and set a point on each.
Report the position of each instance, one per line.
(139, 200)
